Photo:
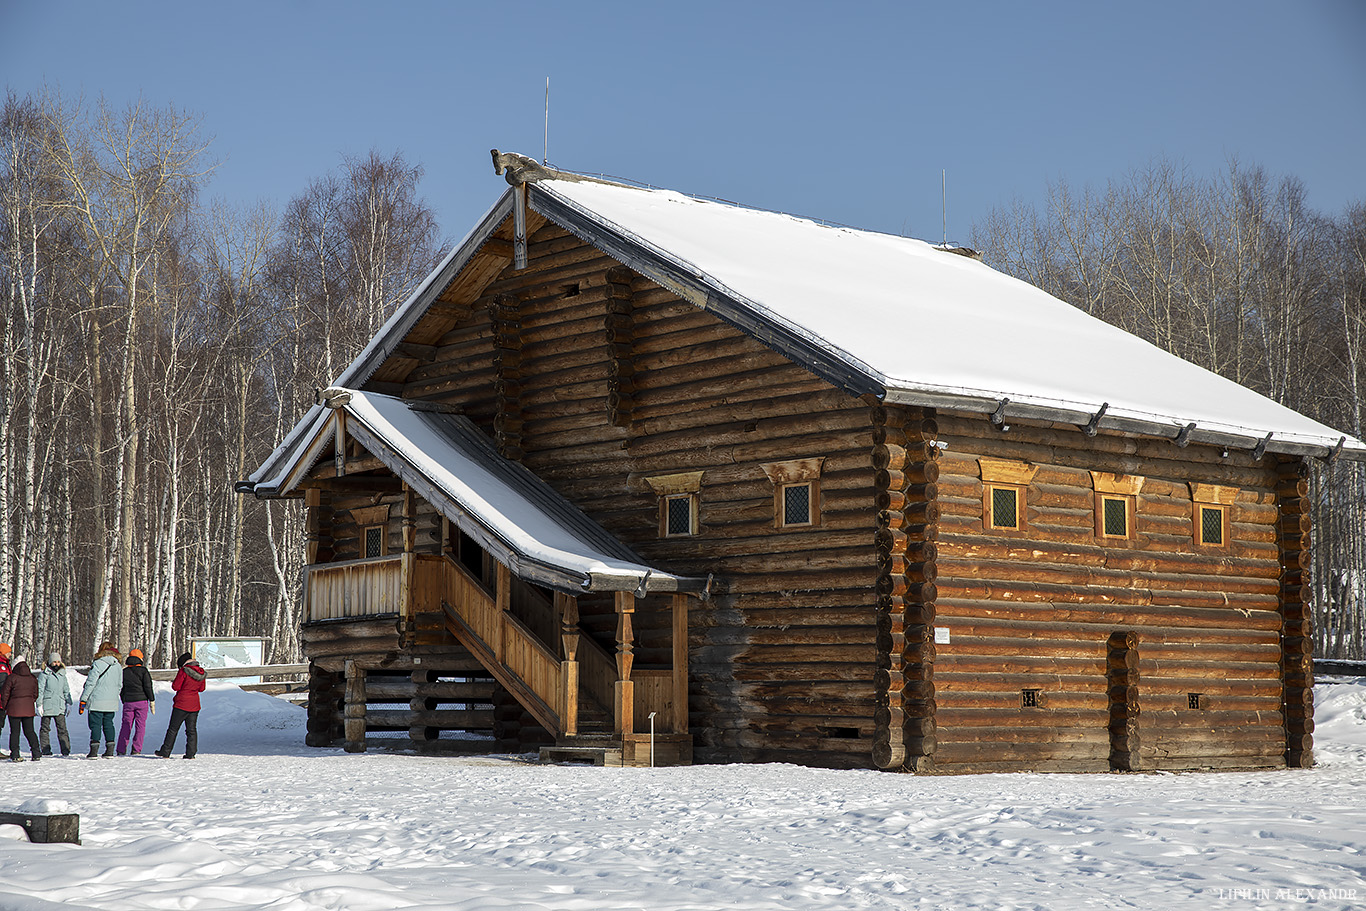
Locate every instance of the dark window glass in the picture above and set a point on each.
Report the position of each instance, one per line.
(374, 541)
(797, 504)
(1117, 518)
(678, 519)
(1004, 508)
(1211, 525)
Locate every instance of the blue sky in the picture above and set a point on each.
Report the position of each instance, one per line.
(844, 111)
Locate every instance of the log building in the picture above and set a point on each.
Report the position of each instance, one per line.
(650, 478)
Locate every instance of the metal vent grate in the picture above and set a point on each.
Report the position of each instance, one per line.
(1116, 518)
(374, 541)
(1005, 508)
(1211, 525)
(797, 504)
(678, 519)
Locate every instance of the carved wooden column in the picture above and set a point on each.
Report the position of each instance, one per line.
(567, 606)
(503, 600)
(407, 564)
(625, 690)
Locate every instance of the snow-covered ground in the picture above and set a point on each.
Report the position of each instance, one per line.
(259, 821)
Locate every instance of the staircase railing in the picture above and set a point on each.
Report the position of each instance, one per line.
(503, 644)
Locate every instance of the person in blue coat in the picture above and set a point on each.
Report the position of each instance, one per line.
(54, 698)
(101, 696)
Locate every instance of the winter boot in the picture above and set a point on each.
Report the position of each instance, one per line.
(94, 751)
(163, 753)
(108, 751)
(16, 758)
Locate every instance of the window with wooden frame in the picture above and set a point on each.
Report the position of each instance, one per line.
(373, 541)
(796, 492)
(1116, 501)
(1210, 514)
(679, 502)
(373, 529)
(1005, 485)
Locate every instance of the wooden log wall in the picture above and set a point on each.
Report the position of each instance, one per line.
(1035, 609)
(621, 381)
(1297, 634)
(905, 471)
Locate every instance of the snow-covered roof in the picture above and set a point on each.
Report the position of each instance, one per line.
(513, 514)
(916, 324)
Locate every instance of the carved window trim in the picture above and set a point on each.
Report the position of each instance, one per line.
(795, 473)
(1116, 488)
(685, 487)
(1207, 499)
(1007, 476)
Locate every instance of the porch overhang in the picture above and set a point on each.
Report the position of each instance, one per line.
(514, 515)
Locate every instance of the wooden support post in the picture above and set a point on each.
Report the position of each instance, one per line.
(625, 688)
(408, 561)
(503, 600)
(339, 443)
(1121, 677)
(680, 664)
(355, 708)
(567, 606)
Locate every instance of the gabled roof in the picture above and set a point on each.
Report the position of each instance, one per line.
(914, 324)
(514, 515)
(878, 315)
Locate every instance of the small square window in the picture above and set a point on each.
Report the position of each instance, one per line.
(1212, 525)
(1115, 517)
(1005, 508)
(678, 515)
(797, 504)
(1195, 700)
(373, 541)
(1029, 699)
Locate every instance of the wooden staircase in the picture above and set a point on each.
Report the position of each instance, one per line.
(592, 718)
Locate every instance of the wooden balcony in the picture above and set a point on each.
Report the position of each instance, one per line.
(371, 588)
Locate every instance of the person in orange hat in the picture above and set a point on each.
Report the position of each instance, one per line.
(138, 698)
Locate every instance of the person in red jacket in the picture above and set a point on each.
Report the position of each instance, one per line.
(189, 683)
(19, 695)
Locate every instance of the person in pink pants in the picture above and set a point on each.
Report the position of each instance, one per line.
(138, 701)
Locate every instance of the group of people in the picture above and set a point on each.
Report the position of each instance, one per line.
(111, 682)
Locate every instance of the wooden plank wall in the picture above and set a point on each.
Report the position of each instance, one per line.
(782, 657)
(1035, 610)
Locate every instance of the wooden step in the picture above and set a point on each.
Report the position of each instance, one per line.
(594, 755)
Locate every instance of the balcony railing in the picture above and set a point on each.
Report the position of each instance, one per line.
(367, 588)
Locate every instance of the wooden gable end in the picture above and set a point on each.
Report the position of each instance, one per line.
(598, 379)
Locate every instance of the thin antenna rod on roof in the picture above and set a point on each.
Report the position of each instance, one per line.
(545, 150)
(944, 201)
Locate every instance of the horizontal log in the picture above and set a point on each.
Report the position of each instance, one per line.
(446, 719)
